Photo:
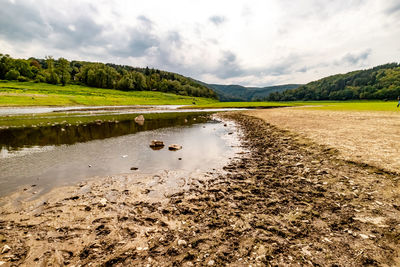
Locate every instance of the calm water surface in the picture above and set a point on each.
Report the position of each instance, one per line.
(57, 155)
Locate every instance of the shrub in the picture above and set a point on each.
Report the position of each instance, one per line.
(12, 75)
(22, 79)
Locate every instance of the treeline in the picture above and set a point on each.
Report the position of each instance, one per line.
(241, 93)
(111, 76)
(381, 82)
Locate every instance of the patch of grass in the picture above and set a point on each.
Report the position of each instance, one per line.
(368, 105)
(63, 118)
(245, 105)
(43, 94)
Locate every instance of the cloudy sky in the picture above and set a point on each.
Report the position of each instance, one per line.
(251, 42)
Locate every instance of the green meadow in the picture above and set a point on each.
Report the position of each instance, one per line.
(367, 105)
(43, 94)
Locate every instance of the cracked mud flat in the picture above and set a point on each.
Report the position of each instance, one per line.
(283, 203)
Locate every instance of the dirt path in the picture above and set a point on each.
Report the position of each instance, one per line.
(284, 203)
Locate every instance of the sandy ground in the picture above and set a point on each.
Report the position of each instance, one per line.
(368, 137)
(284, 203)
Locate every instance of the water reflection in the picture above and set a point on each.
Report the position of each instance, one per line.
(13, 139)
(60, 157)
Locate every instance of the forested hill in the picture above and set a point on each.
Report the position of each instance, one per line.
(241, 93)
(381, 82)
(126, 78)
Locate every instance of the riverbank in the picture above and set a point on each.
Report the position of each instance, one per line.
(364, 136)
(285, 203)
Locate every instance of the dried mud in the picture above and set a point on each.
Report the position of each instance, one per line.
(283, 203)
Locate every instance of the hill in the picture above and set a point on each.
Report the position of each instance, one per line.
(13, 93)
(380, 82)
(100, 75)
(240, 93)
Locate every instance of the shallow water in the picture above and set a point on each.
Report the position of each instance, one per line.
(37, 110)
(47, 157)
(8, 111)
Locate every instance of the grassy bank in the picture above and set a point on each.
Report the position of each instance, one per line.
(43, 94)
(244, 105)
(372, 105)
(66, 118)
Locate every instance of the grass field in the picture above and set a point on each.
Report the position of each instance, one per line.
(43, 94)
(246, 104)
(367, 105)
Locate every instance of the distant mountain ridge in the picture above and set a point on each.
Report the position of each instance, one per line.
(241, 93)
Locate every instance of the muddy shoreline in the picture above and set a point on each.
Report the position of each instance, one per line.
(283, 203)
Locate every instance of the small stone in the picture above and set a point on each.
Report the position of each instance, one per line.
(134, 168)
(89, 166)
(300, 165)
(5, 249)
(174, 147)
(103, 202)
(139, 120)
(211, 263)
(182, 243)
(179, 158)
(327, 240)
(225, 124)
(156, 144)
(364, 236)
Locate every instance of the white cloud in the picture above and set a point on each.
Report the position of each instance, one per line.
(247, 42)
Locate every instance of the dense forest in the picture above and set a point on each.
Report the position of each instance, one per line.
(381, 82)
(126, 78)
(241, 93)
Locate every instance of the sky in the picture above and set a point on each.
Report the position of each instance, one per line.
(251, 43)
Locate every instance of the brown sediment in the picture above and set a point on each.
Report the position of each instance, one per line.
(370, 137)
(283, 203)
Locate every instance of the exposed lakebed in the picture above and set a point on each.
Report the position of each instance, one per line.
(48, 156)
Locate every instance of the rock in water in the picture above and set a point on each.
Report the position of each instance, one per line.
(174, 147)
(157, 144)
(139, 120)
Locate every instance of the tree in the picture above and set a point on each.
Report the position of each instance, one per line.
(52, 76)
(63, 70)
(6, 63)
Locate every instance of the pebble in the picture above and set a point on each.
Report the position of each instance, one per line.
(211, 263)
(182, 243)
(364, 236)
(5, 249)
(103, 201)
